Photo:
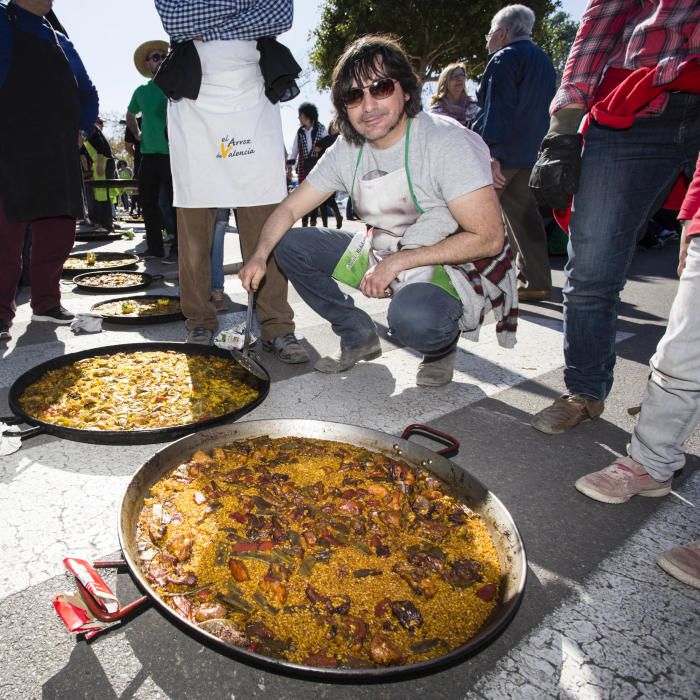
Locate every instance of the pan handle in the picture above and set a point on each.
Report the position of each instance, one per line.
(97, 610)
(421, 429)
(157, 277)
(22, 434)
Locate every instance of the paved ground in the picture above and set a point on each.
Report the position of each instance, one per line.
(598, 619)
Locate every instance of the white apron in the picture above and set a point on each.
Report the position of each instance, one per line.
(226, 147)
(388, 206)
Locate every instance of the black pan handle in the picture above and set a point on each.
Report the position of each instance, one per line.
(157, 277)
(421, 429)
(22, 434)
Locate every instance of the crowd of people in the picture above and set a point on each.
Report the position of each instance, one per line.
(451, 197)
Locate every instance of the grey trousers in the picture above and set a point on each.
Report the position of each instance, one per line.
(671, 406)
(525, 230)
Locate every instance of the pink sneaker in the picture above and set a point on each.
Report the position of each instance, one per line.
(620, 481)
(682, 563)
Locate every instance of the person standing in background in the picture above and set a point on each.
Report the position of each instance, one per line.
(227, 150)
(514, 95)
(305, 149)
(150, 102)
(451, 99)
(40, 174)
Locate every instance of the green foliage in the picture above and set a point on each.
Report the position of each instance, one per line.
(433, 32)
(558, 34)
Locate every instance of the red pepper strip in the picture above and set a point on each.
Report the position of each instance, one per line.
(244, 547)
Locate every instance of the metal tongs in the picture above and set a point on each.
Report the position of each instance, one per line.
(246, 358)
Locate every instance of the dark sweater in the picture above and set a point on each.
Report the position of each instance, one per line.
(514, 95)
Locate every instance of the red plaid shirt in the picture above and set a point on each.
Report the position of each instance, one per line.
(629, 34)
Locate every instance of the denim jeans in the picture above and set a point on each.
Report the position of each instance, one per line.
(671, 406)
(625, 176)
(217, 249)
(421, 316)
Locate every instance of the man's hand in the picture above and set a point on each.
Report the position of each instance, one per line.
(252, 273)
(499, 179)
(557, 171)
(375, 283)
(683, 251)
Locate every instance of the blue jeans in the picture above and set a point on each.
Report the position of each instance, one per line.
(421, 316)
(217, 249)
(625, 176)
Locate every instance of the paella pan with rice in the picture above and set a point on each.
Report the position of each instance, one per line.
(319, 553)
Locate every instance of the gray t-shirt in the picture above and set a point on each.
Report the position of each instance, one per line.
(445, 161)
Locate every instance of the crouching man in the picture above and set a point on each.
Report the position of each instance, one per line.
(434, 239)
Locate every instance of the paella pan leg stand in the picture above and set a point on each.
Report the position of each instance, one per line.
(135, 607)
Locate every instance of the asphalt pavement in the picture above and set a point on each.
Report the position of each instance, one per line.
(598, 619)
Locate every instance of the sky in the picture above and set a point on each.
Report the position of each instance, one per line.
(106, 33)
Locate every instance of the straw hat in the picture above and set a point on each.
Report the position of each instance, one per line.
(142, 52)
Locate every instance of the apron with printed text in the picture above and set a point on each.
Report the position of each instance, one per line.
(226, 147)
(388, 206)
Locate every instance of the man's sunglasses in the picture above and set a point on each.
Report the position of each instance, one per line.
(156, 57)
(380, 89)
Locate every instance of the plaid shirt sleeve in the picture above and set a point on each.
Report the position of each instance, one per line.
(629, 34)
(224, 19)
(598, 38)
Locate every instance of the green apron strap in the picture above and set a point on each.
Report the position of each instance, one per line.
(418, 207)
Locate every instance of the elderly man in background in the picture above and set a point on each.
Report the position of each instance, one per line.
(227, 150)
(149, 102)
(40, 176)
(514, 96)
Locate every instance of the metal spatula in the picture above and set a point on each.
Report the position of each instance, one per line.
(246, 358)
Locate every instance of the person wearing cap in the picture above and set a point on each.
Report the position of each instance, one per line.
(40, 176)
(227, 150)
(151, 104)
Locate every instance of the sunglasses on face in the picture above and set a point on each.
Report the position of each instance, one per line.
(156, 57)
(458, 76)
(380, 89)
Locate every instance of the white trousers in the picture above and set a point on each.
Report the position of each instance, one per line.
(671, 406)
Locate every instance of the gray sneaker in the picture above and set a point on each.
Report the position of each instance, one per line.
(5, 331)
(287, 349)
(200, 336)
(436, 372)
(349, 356)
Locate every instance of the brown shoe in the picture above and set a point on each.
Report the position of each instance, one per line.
(219, 300)
(534, 294)
(566, 412)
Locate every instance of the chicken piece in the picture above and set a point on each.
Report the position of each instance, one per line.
(238, 570)
(180, 546)
(210, 611)
(383, 651)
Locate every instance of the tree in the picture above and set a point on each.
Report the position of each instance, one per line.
(433, 32)
(558, 34)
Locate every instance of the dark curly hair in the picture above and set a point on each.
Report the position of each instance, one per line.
(309, 111)
(374, 54)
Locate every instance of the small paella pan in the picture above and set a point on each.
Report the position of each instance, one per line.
(114, 281)
(138, 310)
(135, 393)
(95, 261)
